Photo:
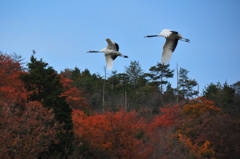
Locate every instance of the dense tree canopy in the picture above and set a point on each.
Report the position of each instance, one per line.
(43, 84)
(41, 111)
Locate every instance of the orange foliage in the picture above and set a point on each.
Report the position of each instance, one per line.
(203, 151)
(73, 95)
(123, 133)
(199, 106)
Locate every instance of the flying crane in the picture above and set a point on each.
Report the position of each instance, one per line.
(170, 45)
(111, 53)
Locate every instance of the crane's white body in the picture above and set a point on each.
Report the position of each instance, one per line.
(170, 45)
(111, 53)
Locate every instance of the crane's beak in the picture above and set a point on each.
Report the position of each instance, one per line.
(92, 51)
(149, 36)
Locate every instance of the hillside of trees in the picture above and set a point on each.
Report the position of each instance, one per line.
(135, 114)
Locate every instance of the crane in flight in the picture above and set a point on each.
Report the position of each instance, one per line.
(170, 45)
(111, 53)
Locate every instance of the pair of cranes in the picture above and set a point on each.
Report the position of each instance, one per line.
(172, 37)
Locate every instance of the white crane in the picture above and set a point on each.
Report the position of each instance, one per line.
(111, 53)
(170, 45)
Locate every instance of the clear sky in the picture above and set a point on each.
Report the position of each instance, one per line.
(62, 31)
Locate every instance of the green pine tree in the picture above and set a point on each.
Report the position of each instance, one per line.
(186, 85)
(158, 75)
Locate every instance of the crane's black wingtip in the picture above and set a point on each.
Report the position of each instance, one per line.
(125, 56)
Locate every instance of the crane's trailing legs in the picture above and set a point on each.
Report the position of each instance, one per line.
(149, 36)
(186, 40)
(91, 51)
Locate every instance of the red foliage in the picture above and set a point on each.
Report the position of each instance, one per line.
(26, 129)
(123, 134)
(198, 130)
(25, 133)
(11, 87)
(170, 116)
(73, 95)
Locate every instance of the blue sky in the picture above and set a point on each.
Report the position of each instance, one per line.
(62, 31)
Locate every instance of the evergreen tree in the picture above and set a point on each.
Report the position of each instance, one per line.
(113, 80)
(124, 85)
(236, 86)
(75, 77)
(183, 78)
(136, 82)
(211, 91)
(91, 85)
(134, 71)
(224, 96)
(186, 85)
(228, 94)
(44, 86)
(158, 74)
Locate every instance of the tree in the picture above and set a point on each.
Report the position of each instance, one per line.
(224, 96)
(205, 124)
(134, 72)
(90, 84)
(121, 134)
(228, 94)
(211, 91)
(26, 129)
(222, 131)
(26, 133)
(10, 85)
(183, 81)
(124, 85)
(200, 106)
(73, 95)
(169, 96)
(236, 86)
(186, 85)
(157, 75)
(44, 86)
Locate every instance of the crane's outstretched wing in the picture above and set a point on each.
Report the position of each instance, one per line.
(109, 61)
(168, 48)
(112, 45)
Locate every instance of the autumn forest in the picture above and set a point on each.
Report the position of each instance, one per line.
(77, 114)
